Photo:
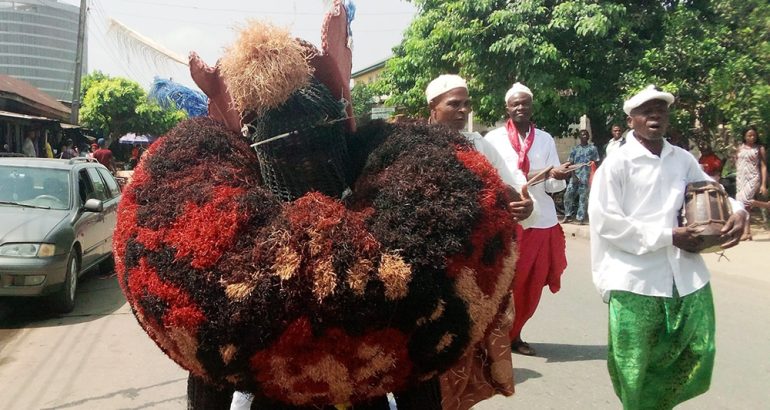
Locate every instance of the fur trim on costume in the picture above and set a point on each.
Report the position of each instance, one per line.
(316, 301)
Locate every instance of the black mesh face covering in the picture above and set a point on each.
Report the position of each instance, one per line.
(313, 156)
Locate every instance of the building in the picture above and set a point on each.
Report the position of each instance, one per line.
(369, 74)
(38, 44)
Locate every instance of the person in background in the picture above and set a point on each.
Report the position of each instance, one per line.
(104, 155)
(67, 152)
(28, 147)
(646, 267)
(617, 141)
(751, 172)
(709, 161)
(47, 147)
(542, 248)
(583, 153)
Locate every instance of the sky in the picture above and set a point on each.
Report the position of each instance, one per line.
(207, 27)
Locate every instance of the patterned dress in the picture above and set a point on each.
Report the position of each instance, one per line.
(578, 185)
(747, 177)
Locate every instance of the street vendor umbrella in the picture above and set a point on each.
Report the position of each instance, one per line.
(132, 138)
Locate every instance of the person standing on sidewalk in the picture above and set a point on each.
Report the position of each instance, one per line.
(578, 187)
(542, 248)
(661, 313)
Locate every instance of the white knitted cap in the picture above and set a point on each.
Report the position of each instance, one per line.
(442, 84)
(518, 88)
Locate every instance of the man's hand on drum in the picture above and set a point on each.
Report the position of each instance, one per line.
(733, 228)
(687, 238)
(521, 205)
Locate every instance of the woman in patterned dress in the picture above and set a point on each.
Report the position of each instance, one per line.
(751, 176)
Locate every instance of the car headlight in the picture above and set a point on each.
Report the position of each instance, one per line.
(28, 250)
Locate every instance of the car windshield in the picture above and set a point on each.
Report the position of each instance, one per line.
(36, 187)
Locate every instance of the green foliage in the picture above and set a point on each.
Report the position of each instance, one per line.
(586, 56)
(116, 106)
(362, 96)
(718, 67)
(89, 80)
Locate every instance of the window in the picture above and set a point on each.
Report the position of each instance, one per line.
(112, 185)
(100, 189)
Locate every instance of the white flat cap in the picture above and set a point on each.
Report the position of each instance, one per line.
(442, 84)
(518, 88)
(649, 93)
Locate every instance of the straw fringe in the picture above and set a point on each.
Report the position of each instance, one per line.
(264, 66)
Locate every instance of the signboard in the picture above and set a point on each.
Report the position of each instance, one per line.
(382, 112)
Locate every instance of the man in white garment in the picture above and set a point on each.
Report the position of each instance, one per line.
(646, 267)
(28, 147)
(542, 257)
(450, 104)
(617, 141)
(474, 379)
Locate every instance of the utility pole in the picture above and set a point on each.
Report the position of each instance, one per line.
(75, 110)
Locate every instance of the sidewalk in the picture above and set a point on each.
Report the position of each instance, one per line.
(750, 259)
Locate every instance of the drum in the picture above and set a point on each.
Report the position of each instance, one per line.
(706, 207)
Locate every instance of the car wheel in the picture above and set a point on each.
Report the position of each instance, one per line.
(63, 301)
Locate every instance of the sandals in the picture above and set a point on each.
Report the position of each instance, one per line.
(522, 347)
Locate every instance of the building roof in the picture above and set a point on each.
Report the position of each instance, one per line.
(373, 67)
(22, 97)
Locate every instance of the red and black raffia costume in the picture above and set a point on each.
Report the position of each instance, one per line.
(309, 298)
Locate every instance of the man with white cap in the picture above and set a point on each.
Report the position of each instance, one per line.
(661, 314)
(542, 257)
(450, 104)
(486, 370)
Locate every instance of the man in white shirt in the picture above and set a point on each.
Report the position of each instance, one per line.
(450, 104)
(542, 257)
(617, 141)
(661, 314)
(28, 147)
(481, 373)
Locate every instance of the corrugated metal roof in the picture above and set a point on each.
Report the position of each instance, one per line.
(27, 91)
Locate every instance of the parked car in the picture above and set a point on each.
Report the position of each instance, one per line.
(57, 217)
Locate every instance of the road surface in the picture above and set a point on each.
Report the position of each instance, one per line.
(98, 357)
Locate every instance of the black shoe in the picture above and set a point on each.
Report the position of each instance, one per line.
(522, 347)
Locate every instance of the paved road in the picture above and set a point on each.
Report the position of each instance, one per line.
(98, 358)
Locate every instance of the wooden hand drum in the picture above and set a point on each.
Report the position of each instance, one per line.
(706, 207)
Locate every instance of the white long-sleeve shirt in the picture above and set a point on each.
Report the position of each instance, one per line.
(512, 177)
(635, 201)
(542, 154)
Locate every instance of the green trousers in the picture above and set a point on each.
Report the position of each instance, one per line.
(661, 350)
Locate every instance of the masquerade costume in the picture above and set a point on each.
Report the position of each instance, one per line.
(320, 266)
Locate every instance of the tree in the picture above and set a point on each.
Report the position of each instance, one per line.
(587, 56)
(362, 96)
(721, 69)
(571, 53)
(116, 106)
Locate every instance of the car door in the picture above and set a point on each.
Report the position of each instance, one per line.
(103, 194)
(87, 227)
(110, 207)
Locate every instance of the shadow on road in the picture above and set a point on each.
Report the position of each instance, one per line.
(555, 353)
(132, 393)
(520, 375)
(96, 297)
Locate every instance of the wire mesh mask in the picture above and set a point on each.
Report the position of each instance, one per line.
(301, 145)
